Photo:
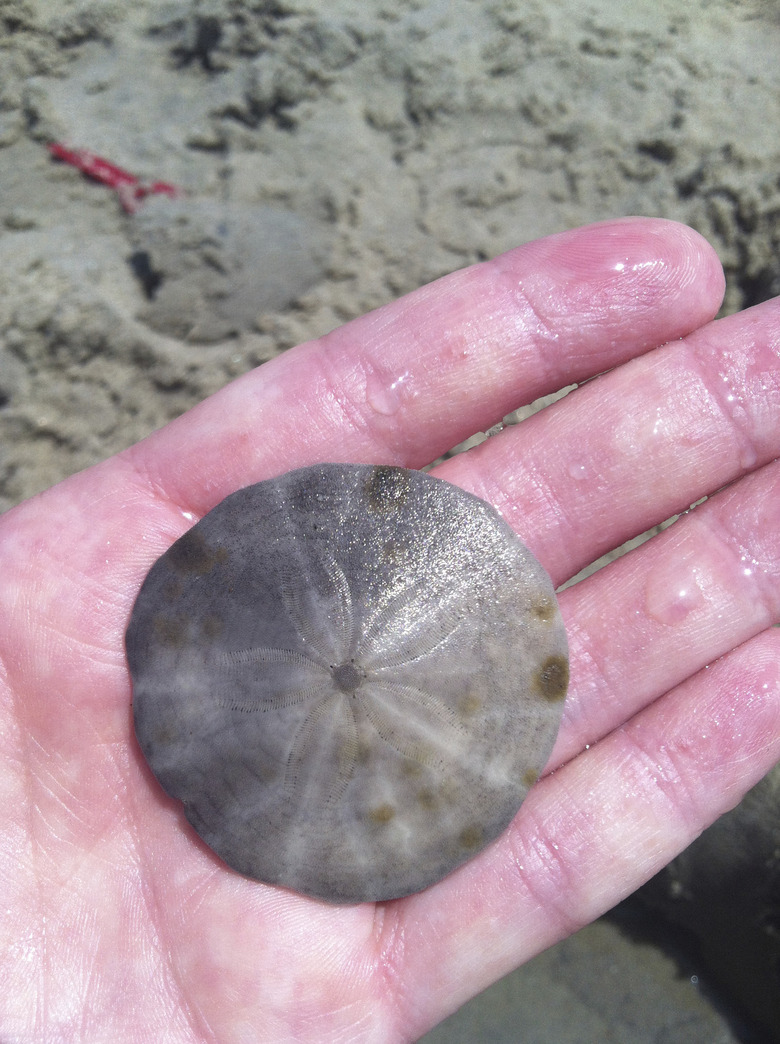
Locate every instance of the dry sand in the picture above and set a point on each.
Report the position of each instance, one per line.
(400, 140)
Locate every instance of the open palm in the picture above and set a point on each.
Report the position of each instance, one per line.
(117, 924)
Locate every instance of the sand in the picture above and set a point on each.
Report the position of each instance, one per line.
(397, 141)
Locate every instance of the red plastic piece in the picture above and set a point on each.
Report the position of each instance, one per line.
(130, 189)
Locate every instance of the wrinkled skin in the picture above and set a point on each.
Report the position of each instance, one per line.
(118, 924)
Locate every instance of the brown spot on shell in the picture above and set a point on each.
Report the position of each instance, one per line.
(471, 837)
(469, 704)
(172, 590)
(170, 631)
(381, 815)
(545, 610)
(362, 753)
(395, 552)
(411, 768)
(191, 555)
(552, 678)
(212, 626)
(427, 799)
(164, 736)
(387, 488)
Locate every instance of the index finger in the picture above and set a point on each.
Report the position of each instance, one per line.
(409, 381)
(397, 386)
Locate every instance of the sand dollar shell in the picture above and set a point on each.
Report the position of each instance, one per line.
(350, 676)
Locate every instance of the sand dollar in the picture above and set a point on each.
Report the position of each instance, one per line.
(350, 676)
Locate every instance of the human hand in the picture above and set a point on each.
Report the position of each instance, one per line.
(119, 924)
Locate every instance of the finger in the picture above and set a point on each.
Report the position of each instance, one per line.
(646, 622)
(471, 347)
(407, 382)
(591, 833)
(637, 445)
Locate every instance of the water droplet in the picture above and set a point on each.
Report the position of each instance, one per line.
(385, 395)
(750, 565)
(579, 472)
(734, 407)
(673, 591)
(636, 429)
(747, 456)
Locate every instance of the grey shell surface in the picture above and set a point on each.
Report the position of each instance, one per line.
(350, 676)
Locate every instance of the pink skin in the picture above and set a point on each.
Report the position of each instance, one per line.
(116, 923)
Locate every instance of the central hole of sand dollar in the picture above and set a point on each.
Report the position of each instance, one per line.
(347, 676)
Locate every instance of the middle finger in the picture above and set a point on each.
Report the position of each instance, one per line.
(641, 443)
